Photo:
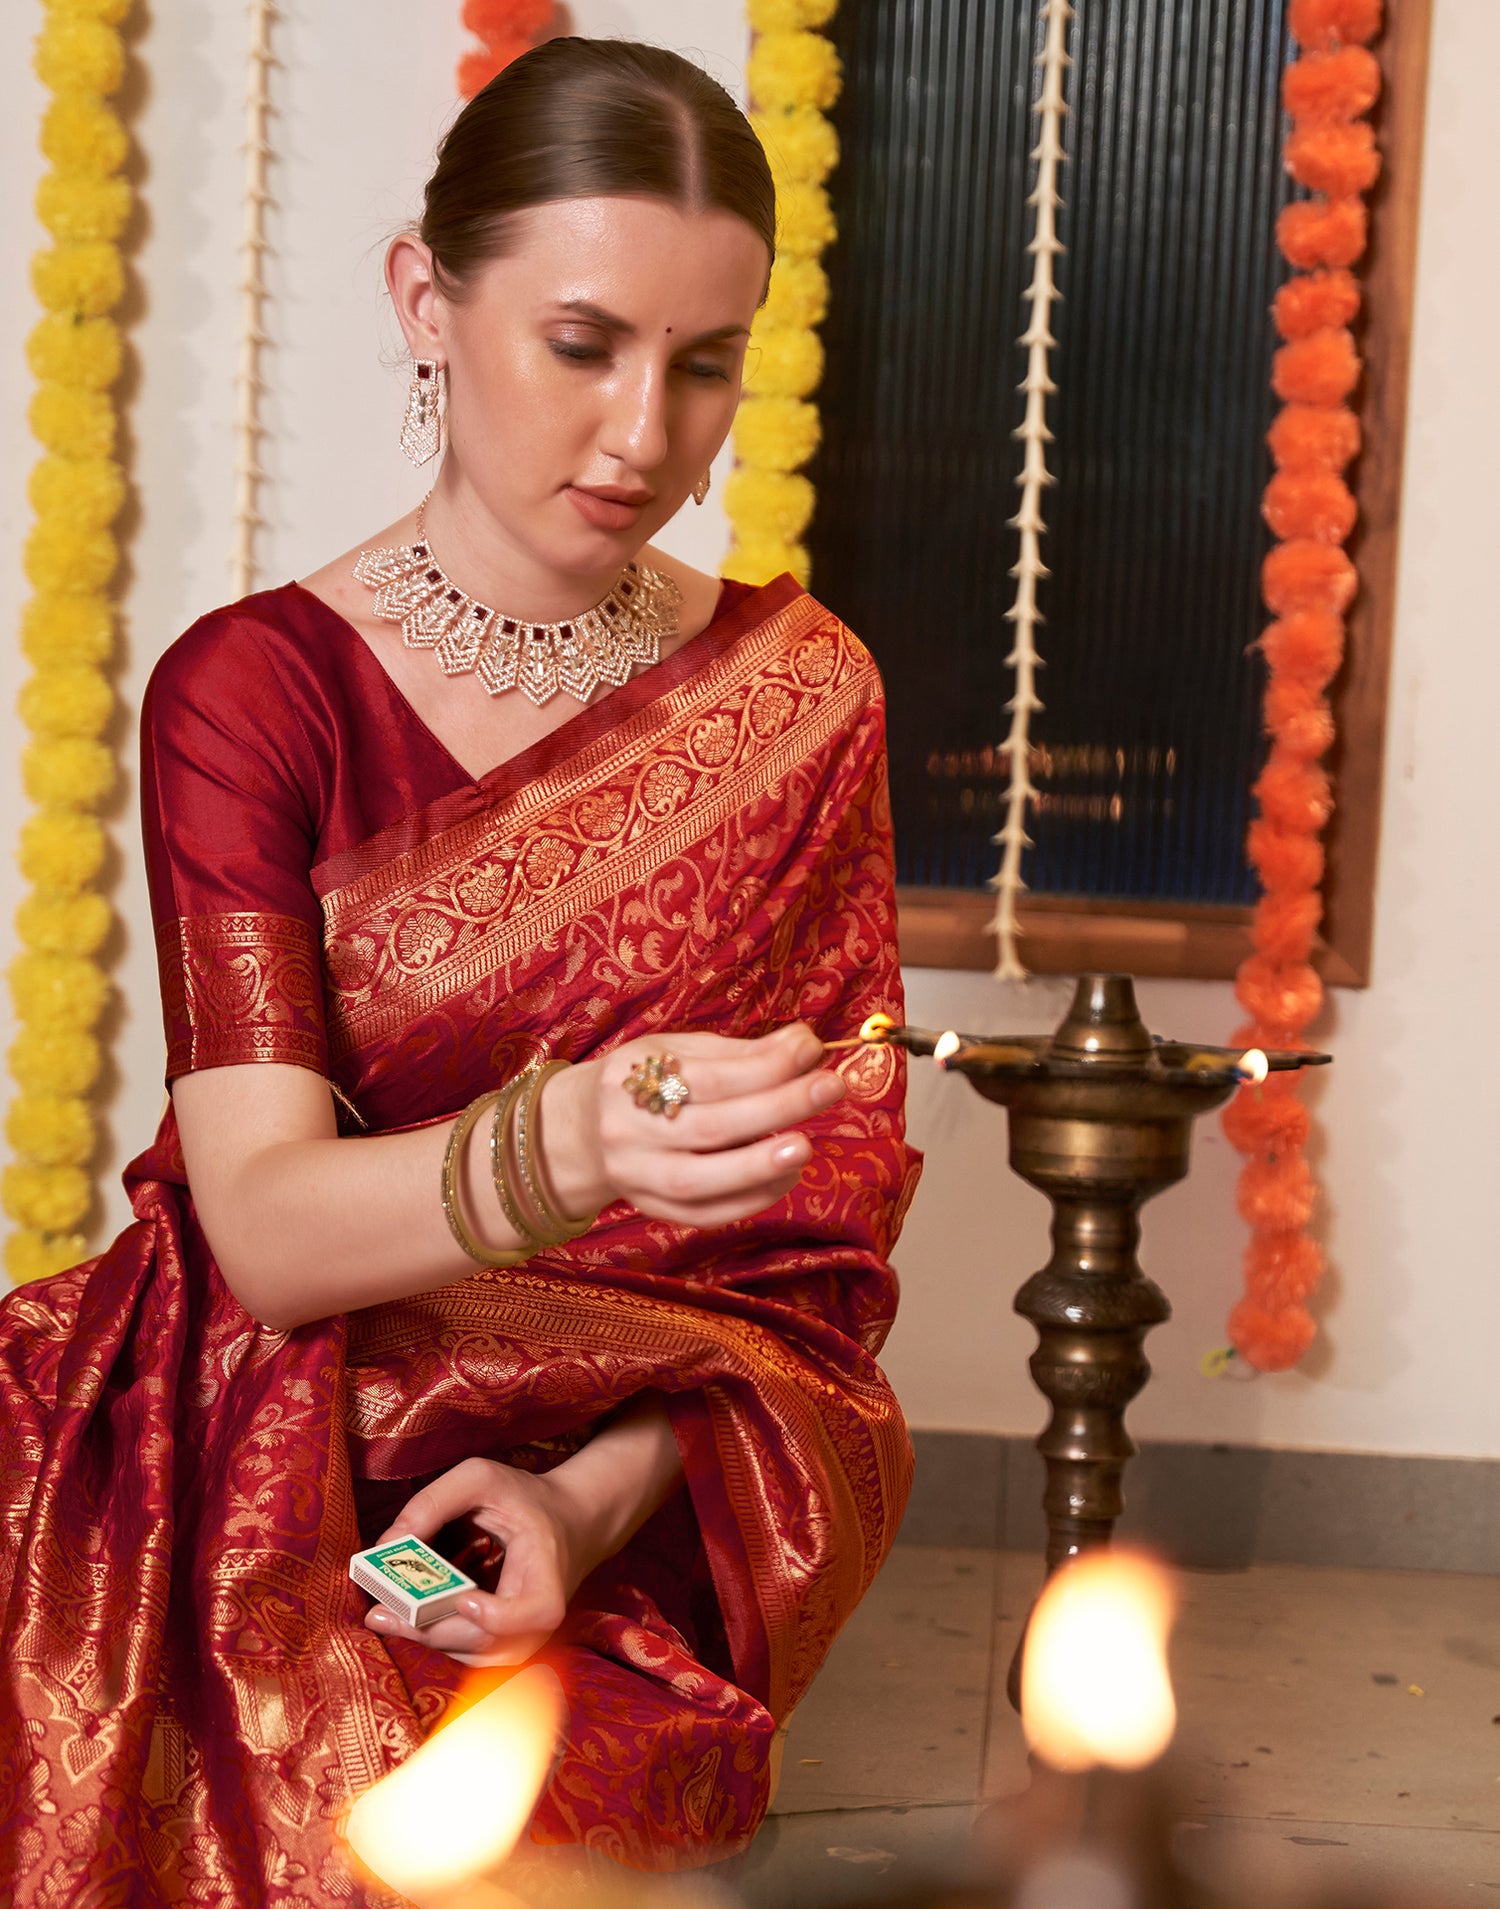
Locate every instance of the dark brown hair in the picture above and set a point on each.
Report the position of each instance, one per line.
(576, 119)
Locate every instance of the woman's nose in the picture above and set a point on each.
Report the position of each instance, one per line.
(636, 428)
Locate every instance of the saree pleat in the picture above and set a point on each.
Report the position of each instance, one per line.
(188, 1697)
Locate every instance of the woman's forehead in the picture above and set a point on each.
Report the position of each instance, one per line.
(701, 262)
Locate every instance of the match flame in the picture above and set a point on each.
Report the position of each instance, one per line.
(876, 1028)
(1094, 1681)
(1254, 1065)
(947, 1046)
(457, 1806)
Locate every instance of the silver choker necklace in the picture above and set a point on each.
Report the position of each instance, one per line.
(602, 645)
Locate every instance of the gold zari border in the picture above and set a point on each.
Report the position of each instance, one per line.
(428, 927)
(241, 987)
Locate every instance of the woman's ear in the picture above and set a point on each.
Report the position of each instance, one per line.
(412, 282)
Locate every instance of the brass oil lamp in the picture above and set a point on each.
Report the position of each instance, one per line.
(1101, 1116)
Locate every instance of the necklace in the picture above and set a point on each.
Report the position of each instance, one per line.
(601, 645)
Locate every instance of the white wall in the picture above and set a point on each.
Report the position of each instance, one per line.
(1412, 1313)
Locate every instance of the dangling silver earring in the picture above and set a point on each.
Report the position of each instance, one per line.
(700, 489)
(422, 427)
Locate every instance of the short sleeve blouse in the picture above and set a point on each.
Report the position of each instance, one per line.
(226, 778)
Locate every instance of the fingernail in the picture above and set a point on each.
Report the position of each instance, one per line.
(471, 1608)
(791, 1153)
(826, 1089)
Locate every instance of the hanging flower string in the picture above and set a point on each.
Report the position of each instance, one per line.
(1045, 249)
(794, 76)
(58, 982)
(1308, 583)
(506, 29)
(248, 385)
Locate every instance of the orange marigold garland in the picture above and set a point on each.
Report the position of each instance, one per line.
(1308, 583)
(506, 30)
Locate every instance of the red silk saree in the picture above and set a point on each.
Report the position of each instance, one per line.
(188, 1697)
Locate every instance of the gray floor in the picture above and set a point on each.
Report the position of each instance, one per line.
(1338, 1728)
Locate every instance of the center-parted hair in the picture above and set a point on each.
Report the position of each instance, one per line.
(584, 119)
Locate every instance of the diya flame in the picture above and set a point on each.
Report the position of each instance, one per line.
(1095, 1689)
(457, 1806)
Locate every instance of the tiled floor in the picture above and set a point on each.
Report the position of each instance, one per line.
(1337, 1728)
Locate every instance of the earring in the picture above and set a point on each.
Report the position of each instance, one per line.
(422, 427)
(700, 489)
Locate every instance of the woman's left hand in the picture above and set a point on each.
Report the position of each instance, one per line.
(545, 1561)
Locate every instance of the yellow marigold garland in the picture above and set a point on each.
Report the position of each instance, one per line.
(59, 988)
(794, 75)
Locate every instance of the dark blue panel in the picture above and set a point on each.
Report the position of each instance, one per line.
(1150, 738)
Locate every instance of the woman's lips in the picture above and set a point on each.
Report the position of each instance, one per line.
(604, 513)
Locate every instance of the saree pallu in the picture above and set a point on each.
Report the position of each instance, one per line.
(188, 1697)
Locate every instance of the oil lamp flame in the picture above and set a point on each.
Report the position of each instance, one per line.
(1254, 1066)
(947, 1046)
(456, 1807)
(1094, 1682)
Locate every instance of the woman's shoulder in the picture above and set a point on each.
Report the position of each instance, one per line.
(808, 627)
(249, 679)
(228, 649)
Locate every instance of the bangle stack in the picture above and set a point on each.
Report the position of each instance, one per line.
(520, 1185)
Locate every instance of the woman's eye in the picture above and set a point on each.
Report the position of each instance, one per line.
(576, 354)
(705, 368)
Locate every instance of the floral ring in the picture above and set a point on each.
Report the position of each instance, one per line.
(655, 1084)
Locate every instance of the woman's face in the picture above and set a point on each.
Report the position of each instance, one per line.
(594, 371)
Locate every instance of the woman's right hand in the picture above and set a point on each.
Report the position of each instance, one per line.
(731, 1150)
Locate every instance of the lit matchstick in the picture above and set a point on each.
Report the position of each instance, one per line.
(874, 1032)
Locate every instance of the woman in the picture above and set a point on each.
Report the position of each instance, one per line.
(404, 847)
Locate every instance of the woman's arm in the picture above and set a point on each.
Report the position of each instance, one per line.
(305, 1224)
(556, 1526)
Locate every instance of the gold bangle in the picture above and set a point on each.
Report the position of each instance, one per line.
(505, 1102)
(452, 1205)
(526, 1121)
